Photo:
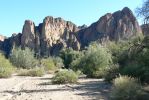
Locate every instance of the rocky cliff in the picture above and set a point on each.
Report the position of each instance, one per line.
(9, 43)
(2, 38)
(53, 34)
(50, 36)
(121, 25)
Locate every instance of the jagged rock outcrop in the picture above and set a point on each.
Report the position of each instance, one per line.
(28, 35)
(10, 43)
(53, 29)
(54, 34)
(2, 38)
(46, 38)
(82, 27)
(121, 25)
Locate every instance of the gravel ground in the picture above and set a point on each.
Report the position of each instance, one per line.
(40, 88)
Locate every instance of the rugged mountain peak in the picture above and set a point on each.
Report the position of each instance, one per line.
(28, 34)
(107, 16)
(48, 19)
(50, 36)
(82, 27)
(120, 25)
(126, 10)
(54, 34)
(55, 27)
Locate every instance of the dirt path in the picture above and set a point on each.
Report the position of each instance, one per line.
(40, 88)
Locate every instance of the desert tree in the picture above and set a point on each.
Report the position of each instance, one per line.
(143, 11)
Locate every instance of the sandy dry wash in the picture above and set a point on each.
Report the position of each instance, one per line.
(40, 88)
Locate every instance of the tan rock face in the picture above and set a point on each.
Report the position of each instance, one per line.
(2, 38)
(121, 25)
(56, 31)
(53, 29)
(28, 35)
(54, 34)
(44, 38)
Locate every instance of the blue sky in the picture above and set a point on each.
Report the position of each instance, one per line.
(13, 13)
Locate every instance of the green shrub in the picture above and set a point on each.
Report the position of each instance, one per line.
(115, 50)
(95, 61)
(58, 62)
(138, 66)
(125, 88)
(23, 58)
(65, 76)
(118, 51)
(134, 61)
(111, 73)
(143, 96)
(75, 64)
(79, 72)
(136, 70)
(31, 72)
(48, 64)
(68, 56)
(143, 65)
(6, 68)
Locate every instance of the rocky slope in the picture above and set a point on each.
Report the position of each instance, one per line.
(121, 25)
(53, 34)
(50, 36)
(9, 43)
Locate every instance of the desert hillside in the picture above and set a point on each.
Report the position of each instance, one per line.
(57, 59)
